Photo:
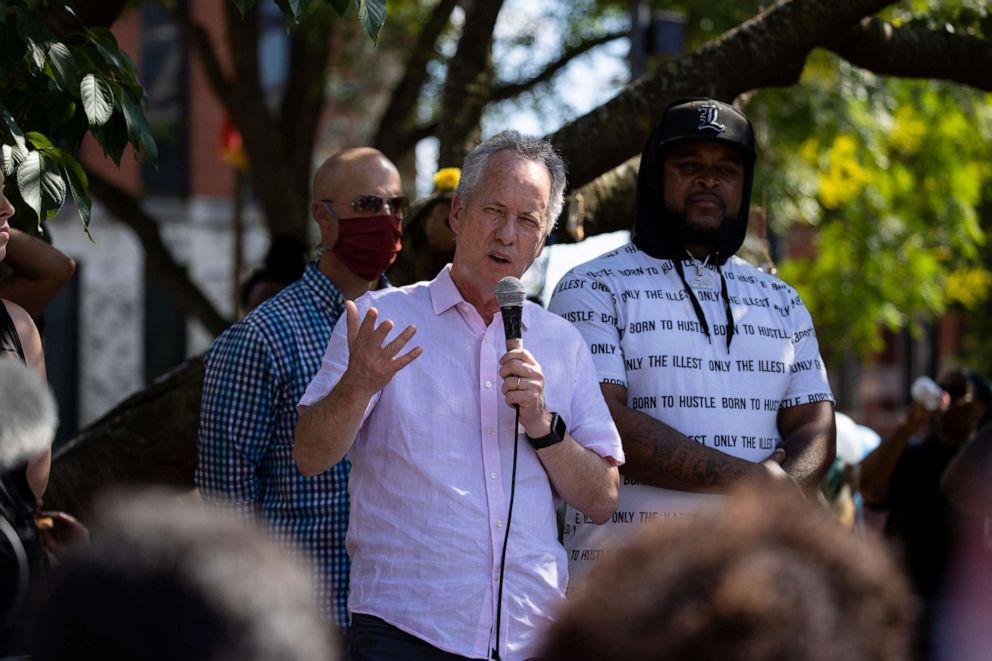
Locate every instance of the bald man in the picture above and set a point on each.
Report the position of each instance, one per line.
(258, 369)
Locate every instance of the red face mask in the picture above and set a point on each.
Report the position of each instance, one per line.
(368, 246)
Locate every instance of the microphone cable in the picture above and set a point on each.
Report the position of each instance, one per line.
(506, 537)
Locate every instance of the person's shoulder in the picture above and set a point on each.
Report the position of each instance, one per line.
(273, 318)
(17, 314)
(394, 297)
(27, 334)
(605, 268)
(288, 307)
(23, 323)
(744, 267)
(553, 324)
(620, 257)
(767, 281)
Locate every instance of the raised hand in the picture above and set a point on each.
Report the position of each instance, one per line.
(371, 364)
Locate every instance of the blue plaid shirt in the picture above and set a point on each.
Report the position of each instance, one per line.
(256, 372)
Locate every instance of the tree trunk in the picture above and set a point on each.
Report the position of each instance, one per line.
(603, 205)
(395, 136)
(766, 51)
(150, 438)
(468, 85)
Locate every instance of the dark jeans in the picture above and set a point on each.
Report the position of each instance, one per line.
(373, 639)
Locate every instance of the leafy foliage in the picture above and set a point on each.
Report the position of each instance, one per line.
(370, 13)
(890, 173)
(64, 80)
(59, 85)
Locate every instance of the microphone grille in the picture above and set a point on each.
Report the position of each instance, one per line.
(29, 418)
(510, 292)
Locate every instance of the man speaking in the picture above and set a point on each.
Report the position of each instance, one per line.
(452, 533)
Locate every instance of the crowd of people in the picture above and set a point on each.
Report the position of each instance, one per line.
(447, 471)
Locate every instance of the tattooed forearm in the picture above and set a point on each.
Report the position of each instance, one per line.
(661, 456)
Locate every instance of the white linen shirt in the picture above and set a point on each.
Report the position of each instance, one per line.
(431, 465)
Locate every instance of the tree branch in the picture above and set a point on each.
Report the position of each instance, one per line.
(605, 204)
(281, 195)
(409, 139)
(767, 51)
(505, 91)
(170, 274)
(390, 137)
(882, 48)
(466, 90)
(303, 99)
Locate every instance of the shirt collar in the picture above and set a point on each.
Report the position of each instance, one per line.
(445, 295)
(321, 286)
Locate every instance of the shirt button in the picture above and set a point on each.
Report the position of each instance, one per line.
(492, 475)
(489, 430)
(489, 384)
(499, 523)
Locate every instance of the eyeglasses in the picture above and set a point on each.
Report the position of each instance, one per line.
(399, 205)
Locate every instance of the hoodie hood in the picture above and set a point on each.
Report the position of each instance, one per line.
(685, 120)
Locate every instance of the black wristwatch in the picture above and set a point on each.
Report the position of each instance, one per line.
(557, 434)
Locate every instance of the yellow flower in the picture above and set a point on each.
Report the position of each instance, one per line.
(447, 179)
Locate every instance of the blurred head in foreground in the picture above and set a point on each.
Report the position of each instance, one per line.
(768, 578)
(170, 580)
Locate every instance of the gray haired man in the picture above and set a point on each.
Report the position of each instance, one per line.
(437, 470)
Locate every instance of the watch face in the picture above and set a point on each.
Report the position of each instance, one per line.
(557, 427)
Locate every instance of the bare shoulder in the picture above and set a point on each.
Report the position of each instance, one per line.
(27, 332)
(22, 320)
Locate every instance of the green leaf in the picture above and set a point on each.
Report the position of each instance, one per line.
(371, 14)
(290, 9)
(64, 66)
(15, 132)
(296, 8)
(112, 136)
(79, 185)
(39, 183)
(12, 157)
(138, 131)
(106, 45)
(98, 99)
(103, 36)
(243, 5)
(35, 35)
(39, 140)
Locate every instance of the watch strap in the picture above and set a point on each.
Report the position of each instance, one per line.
(556, 435)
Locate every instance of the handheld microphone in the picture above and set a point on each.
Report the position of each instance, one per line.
(510, 295)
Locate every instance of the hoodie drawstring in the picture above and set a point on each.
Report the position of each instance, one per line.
(731, 326)
(698, 309)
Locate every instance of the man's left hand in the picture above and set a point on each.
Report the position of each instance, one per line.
(523, 386)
